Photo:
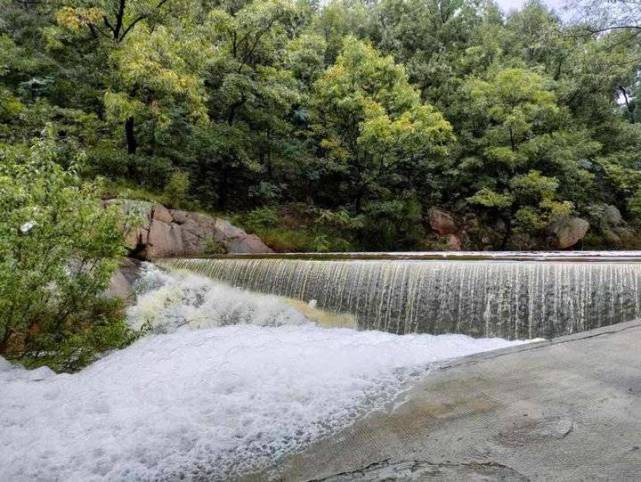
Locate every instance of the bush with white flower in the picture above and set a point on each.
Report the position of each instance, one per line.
(58, 249)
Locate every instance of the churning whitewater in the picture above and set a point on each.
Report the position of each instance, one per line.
(256, 380)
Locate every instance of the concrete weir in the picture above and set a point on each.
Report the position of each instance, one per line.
(506, 295)
(567, 409)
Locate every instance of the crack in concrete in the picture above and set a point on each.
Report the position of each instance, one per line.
(426, 470)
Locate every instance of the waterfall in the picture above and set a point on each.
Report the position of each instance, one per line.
(539, 296)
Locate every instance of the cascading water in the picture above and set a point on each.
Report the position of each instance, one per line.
(511, 296)
(224, 383)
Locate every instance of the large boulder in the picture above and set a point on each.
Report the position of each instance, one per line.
(613, 215)
(568, 231)
(226, 230)
(442, 222)
(202, 233)
(248, 244)
(454, 242)
(162, 214)
(165, 239)
(121, 284)
(153, 231)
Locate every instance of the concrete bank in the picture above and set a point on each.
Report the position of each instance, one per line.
(569, 409)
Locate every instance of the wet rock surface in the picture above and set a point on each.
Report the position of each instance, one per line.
(123, 279)
(526, 430)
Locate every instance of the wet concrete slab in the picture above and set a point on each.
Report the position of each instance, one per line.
(568, 409)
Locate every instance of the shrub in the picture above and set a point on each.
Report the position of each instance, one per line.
(82, 338)
(177, 189)
(213, 246)
(261, 218)
(298, 228)
(393, 225)
(634, 206)
(284, 240)
(58, 248)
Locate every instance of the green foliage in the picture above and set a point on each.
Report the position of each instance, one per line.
(128, 190)
(177, 190)
(81, 341)
(58, 248)
(357, 109)
(213, 246)
(524, 161)
(370, 123)
(634, 205)
(393, 225)
(490, 199)
(261, 218)
(286, 240)
(300, 228)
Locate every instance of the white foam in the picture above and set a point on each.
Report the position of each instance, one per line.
(167, 302)
(206, 403)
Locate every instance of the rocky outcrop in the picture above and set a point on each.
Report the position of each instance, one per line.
(568, 231)
(454, 242)
(153, 231)
(612, 215)
(453, 232)
(446, 229)
(609, 229)
(442, 222)
(121, 284)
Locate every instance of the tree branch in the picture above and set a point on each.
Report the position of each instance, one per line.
(119, 18)
(139, 19)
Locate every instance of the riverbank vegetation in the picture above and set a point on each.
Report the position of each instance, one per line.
(356, 116)
(58, 248)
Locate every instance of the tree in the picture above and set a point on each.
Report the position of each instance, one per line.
(429, 37)
(157, 80)
(374, 135)
(524, 164)
(598, 16)
(113, 19)
(339, 19)
(251, 94)
(271, 103)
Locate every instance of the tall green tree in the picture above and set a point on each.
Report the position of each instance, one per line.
(522, 158)
(374, 134)
(251, 94)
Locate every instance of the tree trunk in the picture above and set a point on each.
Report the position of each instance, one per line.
(508, 231)
(130, 135)
(628, 106)
(222, 191)
(358, 198)
(4, 341)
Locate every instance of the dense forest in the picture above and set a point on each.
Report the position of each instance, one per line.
(339, 125)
